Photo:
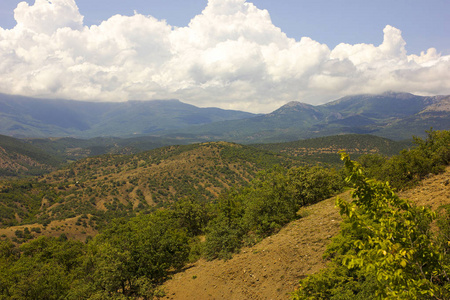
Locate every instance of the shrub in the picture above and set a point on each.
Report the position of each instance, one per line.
(387, 243)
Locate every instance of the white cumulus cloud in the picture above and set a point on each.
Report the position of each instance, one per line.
(231, 56)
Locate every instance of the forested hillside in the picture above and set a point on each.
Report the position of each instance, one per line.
(72, 149)
(325, 150)
(96, 189)
(48, 154)
(17, 158)
(131, 257)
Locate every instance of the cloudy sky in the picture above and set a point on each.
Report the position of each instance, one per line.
(234, 54)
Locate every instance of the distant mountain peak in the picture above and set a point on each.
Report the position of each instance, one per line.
(32, 117)
(297, 104)
(398, 95)
(292, 107)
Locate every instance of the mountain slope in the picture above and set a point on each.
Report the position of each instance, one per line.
(289, 122)
(326, 149)
(387, 105)
(18, 158)
(31, 117)
(272, 268)
(72, 149)
(120, 185)
(393, 115)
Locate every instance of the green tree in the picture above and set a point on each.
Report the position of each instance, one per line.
(192, 214)
(225, 231)
(270, 201)
(130, 259)
(430, 155)
(41, 269)
(275, 196)
(394, 239)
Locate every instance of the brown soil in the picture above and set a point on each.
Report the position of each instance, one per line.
(272, 268)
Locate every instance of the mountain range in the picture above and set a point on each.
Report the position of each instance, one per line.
(32, 117)
(392, 115)
(396, 116)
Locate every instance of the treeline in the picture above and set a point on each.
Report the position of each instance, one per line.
(388, 248)
(128, 260)
(24, 159)
(325, 150)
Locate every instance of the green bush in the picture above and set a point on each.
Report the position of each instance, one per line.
(192, 214)
(386, 245)
(222, 238)
(276, 196)
(224, 232)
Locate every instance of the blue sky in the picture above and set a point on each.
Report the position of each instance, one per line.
(424, 24)
(254, 55)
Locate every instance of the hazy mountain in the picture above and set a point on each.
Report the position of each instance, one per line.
(31, 117)
(393, 115)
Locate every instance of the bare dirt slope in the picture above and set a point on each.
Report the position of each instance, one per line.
(272, 268)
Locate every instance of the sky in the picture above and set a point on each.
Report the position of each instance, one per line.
(234, 54)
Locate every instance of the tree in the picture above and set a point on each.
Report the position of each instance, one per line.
(43, 268)
(276, 195)
(130, 259)
(404, 170)
(192, 214)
